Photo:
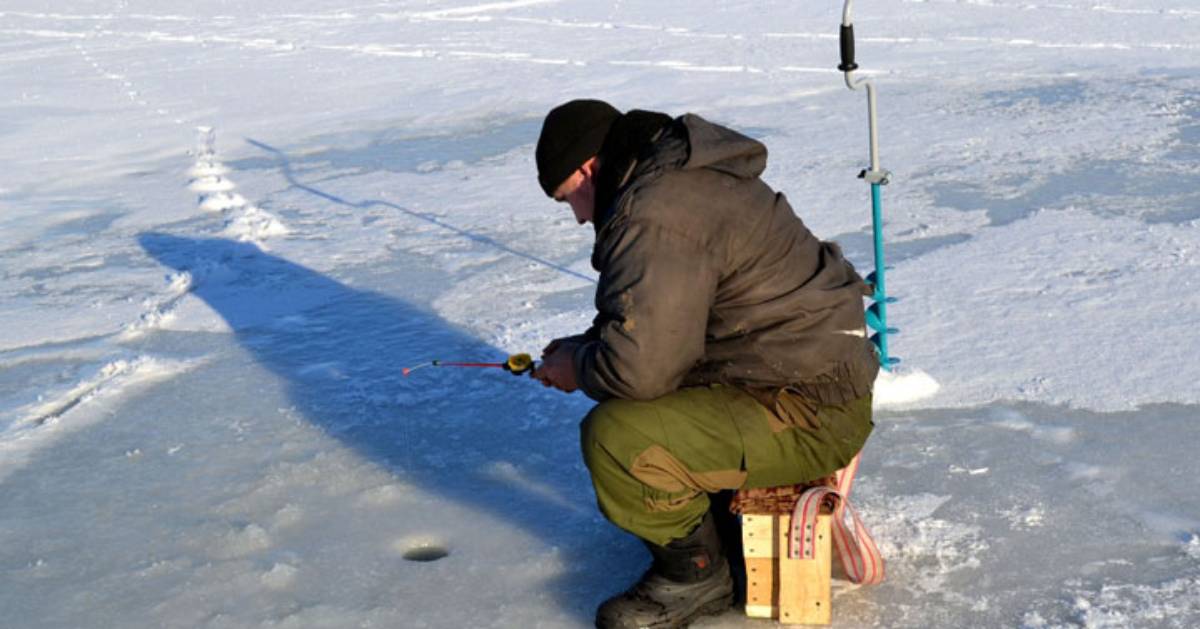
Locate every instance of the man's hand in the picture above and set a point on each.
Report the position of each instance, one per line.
(558, 366)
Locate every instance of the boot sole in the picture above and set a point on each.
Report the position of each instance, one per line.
(710, 608)
(713, 607)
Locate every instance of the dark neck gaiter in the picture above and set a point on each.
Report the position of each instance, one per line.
(627, 142)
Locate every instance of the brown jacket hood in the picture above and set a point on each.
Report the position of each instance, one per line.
(721, 149)
(642, 145)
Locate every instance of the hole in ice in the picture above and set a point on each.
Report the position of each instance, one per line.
(425, 552)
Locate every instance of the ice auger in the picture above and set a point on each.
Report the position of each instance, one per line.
(877, 177)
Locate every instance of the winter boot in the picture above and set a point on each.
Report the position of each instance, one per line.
(688, 579)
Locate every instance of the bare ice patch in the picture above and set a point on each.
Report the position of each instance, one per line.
(924, 551)
(83, 405)
(1011, 419)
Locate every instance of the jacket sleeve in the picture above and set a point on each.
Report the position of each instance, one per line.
(655, 291)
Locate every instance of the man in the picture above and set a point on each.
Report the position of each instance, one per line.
(728, 350)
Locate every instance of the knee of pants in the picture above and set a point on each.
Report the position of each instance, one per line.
(603, 427)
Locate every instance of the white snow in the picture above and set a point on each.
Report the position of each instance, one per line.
(225, 229)
(901, 386)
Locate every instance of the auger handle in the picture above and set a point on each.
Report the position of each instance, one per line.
(846, 38)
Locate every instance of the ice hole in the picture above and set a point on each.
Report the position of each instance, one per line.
(425, 552)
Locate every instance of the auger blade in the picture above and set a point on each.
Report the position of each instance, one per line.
(874, 320)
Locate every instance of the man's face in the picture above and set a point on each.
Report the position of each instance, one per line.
(579, 190)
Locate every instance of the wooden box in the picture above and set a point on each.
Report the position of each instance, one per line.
(793, 591)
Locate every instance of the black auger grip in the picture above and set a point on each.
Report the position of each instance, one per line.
(847, 40)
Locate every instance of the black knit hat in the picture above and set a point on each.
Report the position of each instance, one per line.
(571, 134)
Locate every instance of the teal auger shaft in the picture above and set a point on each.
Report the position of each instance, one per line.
(879, 308)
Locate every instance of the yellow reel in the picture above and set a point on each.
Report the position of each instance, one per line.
(518, 364)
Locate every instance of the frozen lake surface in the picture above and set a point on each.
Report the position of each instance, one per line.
(225, 228)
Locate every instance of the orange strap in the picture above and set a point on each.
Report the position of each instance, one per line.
(856, 551)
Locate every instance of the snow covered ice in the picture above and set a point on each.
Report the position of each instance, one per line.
(226, 227)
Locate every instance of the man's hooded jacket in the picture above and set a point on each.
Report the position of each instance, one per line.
(707, 275)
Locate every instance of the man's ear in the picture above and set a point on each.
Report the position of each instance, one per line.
(590, 167)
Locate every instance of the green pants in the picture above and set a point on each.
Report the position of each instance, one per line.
(654, 462)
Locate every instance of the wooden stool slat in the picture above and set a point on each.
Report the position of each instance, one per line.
(760, 547)
(804, 584)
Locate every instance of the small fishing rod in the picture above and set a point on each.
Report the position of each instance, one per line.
(517, 365)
